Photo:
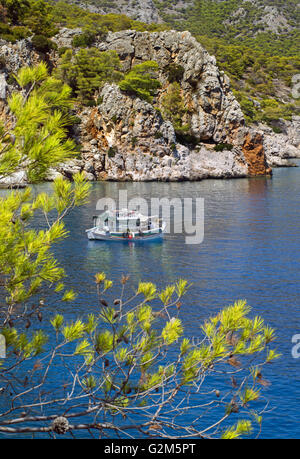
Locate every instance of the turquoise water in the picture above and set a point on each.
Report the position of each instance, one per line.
(250, 251)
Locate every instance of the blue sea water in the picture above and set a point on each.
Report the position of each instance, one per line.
(251, 250)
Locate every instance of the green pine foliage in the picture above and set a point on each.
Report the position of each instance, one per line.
(33, 16)
(43, 44)
(22, 18)
(38, 139)
(141, 81)
(35, 142)
(133, 355)
(86, 71)
(173, 108)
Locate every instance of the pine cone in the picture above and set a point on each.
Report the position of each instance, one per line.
(60, 425)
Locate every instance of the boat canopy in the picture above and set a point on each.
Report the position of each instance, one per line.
(125, 214)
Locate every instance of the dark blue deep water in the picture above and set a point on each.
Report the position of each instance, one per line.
(251, 250)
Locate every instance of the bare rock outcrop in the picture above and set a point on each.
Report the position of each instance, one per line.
(125, 138)
(17, 55)
(213, 111)
(141, 10)
(281, 147)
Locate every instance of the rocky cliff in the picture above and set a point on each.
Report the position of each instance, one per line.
(132, 141)
(141, 10)
(126, 138)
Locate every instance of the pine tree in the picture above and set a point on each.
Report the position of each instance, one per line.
(141, 80)
(88, 70)
(173, 108)
(34, 139)
(38, 138)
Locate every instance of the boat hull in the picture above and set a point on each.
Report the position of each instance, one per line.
(96, 234)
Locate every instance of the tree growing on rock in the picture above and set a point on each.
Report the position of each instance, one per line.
(173, 108)
(141, 80)
(88, 70)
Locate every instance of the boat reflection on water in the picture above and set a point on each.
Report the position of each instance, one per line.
(133, 258)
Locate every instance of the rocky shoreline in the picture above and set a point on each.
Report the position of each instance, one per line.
(125, 138)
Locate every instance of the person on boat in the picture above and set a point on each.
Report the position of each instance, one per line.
(129, 234)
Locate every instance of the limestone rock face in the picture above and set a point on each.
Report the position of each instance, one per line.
(282, 147)
(213, 115)
(125, 138)
(3, 86)
(212, 109)
(18, 179)
(65, 36)
(140, 10)
(17, 55)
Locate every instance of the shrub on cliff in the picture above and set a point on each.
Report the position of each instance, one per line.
(84, 39)
(141, 81)
(43, 44)
(175, 72)
(13, 33)
(223, 146)
(173, 108)
(88, 70)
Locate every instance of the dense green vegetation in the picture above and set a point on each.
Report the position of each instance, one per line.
(260, 64)
(173, 109)
(22, 18)
(42, 114)
(86, 71)
(141, 80)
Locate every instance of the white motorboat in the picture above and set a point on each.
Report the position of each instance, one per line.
(126, 225)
